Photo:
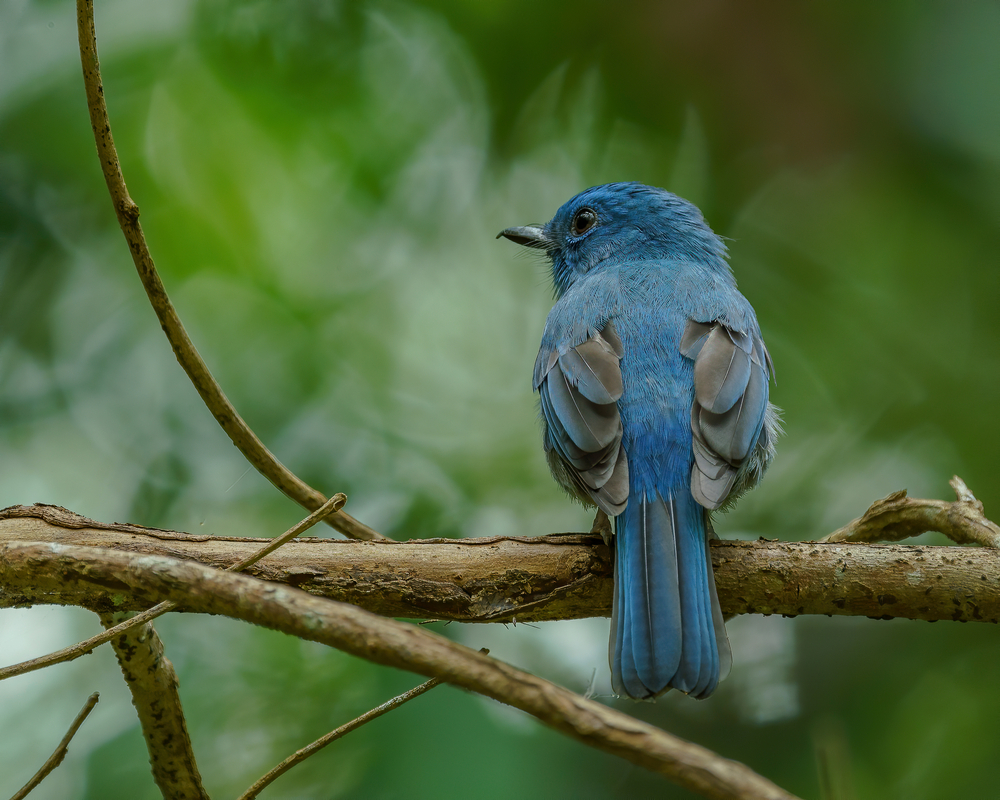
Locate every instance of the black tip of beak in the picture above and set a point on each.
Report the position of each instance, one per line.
(528, 235)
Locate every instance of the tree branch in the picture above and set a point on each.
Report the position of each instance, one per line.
(549, 577)
(153, 683)
(187, 355)
(899, 517)
(199, 588)
(83, 648)
(311, 749)
(56, 758)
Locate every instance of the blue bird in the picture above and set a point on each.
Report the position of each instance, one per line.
(653, 382)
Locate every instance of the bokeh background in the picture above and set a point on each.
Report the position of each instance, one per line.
(321, 183)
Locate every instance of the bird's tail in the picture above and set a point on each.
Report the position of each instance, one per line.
(666, 626)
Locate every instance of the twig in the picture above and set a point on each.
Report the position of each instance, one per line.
(87, 646)
(56, 758)
(301, 755)
(187, 355)
(833, 761)
(899, 517)
(330, 506)
(202, 589)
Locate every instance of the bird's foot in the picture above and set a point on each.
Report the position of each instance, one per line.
(602, 526)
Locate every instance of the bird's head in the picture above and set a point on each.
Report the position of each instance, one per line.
(620, 221)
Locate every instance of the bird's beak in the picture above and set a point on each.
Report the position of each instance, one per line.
(528, 235)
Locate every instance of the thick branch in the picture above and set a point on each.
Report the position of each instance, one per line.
(153, 683)
(550, 577)
(388, 642)
(82, 648)
(187, 355)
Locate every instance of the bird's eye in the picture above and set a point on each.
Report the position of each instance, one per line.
(584, 220)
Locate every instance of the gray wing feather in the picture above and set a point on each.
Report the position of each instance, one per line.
(595, 367)
(694, 338)
(543, 365)
(712, 492)
(729, 409)
(590, 426)
(579, 390)
(734, 433)
(613, 495)
(721, 369)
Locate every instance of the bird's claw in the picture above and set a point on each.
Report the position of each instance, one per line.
(602, 526)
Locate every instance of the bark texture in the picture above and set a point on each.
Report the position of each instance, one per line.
(152, 681)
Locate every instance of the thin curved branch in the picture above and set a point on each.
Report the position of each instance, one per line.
(85, 647)
(522, 579)
(898, 517)
(390, 643)
(56, 758)
(311, 749)
(187, 355)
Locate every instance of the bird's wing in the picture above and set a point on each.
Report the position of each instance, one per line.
(579, 392)
(727, 416)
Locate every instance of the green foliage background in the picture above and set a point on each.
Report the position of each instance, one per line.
(320, 184)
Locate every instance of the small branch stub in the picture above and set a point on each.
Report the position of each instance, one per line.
(898, 517)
